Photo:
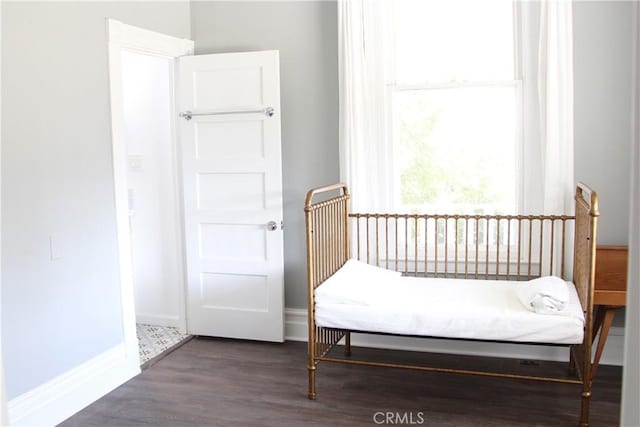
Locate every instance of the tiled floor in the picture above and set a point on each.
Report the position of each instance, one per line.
(153, 340)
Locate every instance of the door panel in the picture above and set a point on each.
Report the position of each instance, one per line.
(238, 192)
(245, 242)
(232, 191)
(228, 87)
(244, 139)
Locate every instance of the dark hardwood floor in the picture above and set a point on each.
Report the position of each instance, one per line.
(217, 382)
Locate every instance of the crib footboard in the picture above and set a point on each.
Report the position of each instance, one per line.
(327, 250)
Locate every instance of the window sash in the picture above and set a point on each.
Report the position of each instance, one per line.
(519, 128)
(389, 44)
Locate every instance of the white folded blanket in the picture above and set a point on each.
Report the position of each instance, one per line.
(364, 280)
(545, 295)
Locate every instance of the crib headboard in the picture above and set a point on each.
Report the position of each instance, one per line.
(327, 232)
(584, 258)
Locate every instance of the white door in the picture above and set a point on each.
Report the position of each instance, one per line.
(230, 136)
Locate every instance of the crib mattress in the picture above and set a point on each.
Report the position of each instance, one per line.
(448, 308)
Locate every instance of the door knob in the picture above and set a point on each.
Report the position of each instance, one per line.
(272, 225)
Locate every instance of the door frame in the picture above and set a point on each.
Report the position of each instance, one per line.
(127, 37)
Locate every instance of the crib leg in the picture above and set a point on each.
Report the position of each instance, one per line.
(347, 344)
(584, 412)
(312, 383)
(572, 362)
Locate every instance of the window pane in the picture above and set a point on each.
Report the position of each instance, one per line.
(443, 41)
(455, 150)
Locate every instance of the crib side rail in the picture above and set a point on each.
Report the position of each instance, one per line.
(511, 247)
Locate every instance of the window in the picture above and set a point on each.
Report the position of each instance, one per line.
(454, 106)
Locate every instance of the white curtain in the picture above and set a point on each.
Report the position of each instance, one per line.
(555, 91)
(364, 154)
(554, 182)
(546, 45)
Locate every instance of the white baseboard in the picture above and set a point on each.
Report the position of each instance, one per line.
(158, 320)
(296, 330)
(295, 324)
(56, 400)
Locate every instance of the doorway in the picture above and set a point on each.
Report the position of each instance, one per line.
(147, 189)
(154, 203)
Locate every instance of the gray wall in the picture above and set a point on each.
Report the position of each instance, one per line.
(57, 179)
(306, 35)
(4, 416)
(630, 410)
(603, 88)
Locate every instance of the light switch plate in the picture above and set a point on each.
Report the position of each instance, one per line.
(56, 246)
(135, 162)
